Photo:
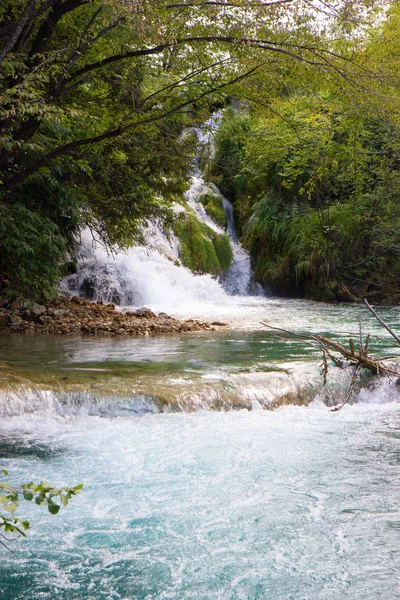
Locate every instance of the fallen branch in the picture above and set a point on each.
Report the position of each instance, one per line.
(374, 365)
(357, 360)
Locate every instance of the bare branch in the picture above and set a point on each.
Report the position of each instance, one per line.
(357, 369)
(381, 321)
(278, 47)
(225, 4)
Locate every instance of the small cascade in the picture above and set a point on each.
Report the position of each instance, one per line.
(238, 279)
(143, 275)
(152, 274)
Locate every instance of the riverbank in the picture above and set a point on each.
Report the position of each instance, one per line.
(77, 316)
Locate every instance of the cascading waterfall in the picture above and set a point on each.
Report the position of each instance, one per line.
(152, 274)
(237, 281)
(144, 275)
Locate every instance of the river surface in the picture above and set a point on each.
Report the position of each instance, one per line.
(191, 489)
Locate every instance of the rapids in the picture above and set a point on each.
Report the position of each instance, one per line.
(232, 503)
(295, 503)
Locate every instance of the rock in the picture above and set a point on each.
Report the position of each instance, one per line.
(15, 321)
(33, 313)
(145, 312)
(38, 310)
(4, 318)
(44, 319)
(76, 315)
(219, 324)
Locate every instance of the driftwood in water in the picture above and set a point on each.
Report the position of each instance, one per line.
(356, 359)
(353, 358)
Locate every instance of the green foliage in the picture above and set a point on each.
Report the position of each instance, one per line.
(229, 154)
(42, 493)
(202, 249)
(32, 248)
(223, 250)
(317, 191)
(213, 206)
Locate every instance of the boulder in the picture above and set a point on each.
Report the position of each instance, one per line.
(33, 313)
(38, 310)
(15, 321)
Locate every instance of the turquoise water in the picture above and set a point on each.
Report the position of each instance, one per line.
(295, 503)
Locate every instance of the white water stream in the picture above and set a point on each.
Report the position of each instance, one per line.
(152, 276)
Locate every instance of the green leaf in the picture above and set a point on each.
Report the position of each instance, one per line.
(53, 508)
(28, 495)
(4, 472)
(12, 507)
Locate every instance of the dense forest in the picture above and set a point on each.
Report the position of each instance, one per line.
(95, 96)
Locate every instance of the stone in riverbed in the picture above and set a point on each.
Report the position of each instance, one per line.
(33, 313)
(55, 312)
(145, 312)
(4, 318)
(15, 321)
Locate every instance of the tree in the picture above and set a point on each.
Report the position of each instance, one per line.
(86, 83)
(315, 182)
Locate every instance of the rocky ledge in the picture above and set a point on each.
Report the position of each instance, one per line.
(77, 316)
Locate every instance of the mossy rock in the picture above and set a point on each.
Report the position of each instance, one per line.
(223, 250)
(213, 206)
(202, 249)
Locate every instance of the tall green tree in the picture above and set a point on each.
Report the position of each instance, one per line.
(94, 95)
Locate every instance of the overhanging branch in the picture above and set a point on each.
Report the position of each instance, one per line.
(116, 132)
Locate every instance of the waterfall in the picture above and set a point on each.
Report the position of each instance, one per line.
(152, 274)
(237, 281)
(143, 275)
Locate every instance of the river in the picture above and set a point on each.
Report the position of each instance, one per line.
(192, 490)
(212, 466)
